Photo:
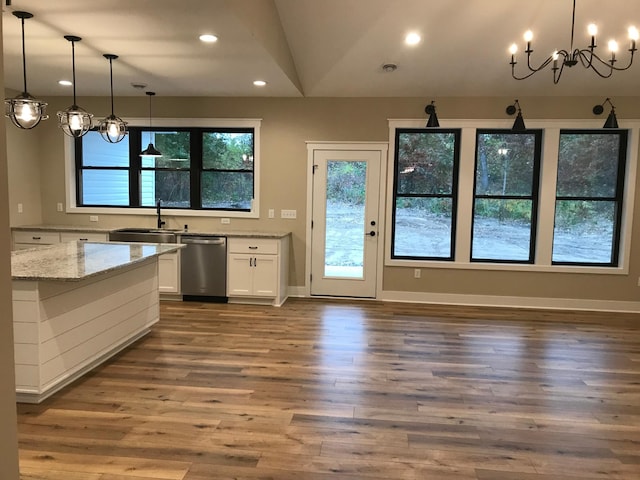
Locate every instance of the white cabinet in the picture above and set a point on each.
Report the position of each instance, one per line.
(257, 269)
(83, 237)
(32, 238)
(169, 272)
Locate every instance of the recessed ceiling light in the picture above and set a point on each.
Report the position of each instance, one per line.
(65, 83)
(259, 83)
(208, 38)
(412, 38)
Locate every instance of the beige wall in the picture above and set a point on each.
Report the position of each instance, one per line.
(8, 419)
(24, 172)
(287, 124)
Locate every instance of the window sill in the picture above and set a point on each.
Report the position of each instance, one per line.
(508, 267)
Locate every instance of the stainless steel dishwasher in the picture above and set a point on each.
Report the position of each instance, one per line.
(203, 271)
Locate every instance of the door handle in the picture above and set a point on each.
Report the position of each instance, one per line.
(372, 233)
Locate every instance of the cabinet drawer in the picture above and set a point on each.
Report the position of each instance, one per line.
(36, 237)
(83, 237)
(253, 245)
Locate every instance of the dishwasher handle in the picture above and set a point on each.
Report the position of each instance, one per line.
(204, 240)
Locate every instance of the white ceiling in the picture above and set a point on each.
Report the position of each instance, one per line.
(312, 48)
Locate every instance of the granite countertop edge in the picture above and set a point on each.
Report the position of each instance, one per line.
(166, 247)
(88, 228)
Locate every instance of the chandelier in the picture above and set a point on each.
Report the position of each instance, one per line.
(569, 58)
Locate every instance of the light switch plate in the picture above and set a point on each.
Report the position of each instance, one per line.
(225, 220)
(93, 218)
(288, 213)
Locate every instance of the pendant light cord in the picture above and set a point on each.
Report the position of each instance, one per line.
(24, 59)
(111, 77)
(73, 69)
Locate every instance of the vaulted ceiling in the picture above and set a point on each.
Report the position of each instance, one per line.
(312, 48)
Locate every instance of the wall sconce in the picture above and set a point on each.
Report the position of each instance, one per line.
(612, 121)
(518, 125)
(433, 118)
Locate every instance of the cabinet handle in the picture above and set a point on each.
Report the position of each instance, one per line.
(253, 248)
(255, 262)
(84, 239)
(251, 262)
(36, 238)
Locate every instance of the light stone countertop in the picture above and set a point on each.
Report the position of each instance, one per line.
(86, 228)
(75, 261)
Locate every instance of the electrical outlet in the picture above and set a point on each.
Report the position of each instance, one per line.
(19, 208)
(417, 273)
(59, 206)
(93, 218)
(225, 220)
(272, 213)
(288, 213)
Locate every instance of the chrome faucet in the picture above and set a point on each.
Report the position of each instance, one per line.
(160, 221)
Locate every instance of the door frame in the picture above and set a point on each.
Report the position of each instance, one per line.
(383, 148)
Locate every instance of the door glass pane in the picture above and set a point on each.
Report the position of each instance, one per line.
(344, 233)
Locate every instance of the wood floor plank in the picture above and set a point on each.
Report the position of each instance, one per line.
(338, 389)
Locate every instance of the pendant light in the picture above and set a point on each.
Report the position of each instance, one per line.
(74, 121)
(24, 110)
(113, 129)
(151, 150)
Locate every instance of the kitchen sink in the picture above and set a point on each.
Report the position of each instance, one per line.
(146, 235)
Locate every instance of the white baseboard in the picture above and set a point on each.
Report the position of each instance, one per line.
(515, 302)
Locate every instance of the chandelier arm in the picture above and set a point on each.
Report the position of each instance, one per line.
(542, 65)
(608, 64)
(589, 63)
(513, 73)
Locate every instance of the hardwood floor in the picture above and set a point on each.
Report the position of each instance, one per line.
(347, 390)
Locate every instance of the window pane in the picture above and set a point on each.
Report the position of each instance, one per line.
(505, 163)
(588, 164)
(584, 231)
(502, 229)
(425, 162)
(175, 148)
(423, 227)
(98, 153)
(227, 151)
(170, 187)
(105, 187)
(345, 218)
(227, 190)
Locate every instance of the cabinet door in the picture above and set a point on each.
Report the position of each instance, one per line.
(265, 275)
(239, 275)
(169, 273)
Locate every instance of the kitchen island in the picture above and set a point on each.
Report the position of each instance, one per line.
(75, 305)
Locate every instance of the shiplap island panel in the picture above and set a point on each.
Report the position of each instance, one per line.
(75, 305)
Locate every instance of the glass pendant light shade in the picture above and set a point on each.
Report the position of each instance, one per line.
(113, 129)
(74, 121)
(151, 150)
(25, 111)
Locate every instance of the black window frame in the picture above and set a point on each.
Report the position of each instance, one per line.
(534, 197)
(135, 167)
(617, 198)
(457, 132)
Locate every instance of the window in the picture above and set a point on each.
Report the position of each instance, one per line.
(505, 196)
(201, 169)
(424, 193)
(589, 197)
